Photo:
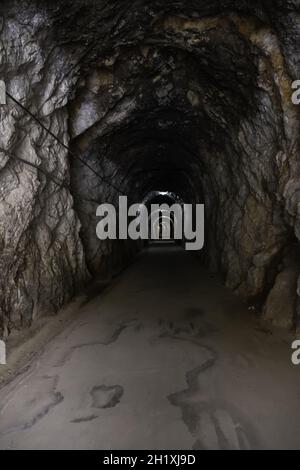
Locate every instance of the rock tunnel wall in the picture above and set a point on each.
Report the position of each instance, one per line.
(190, 97)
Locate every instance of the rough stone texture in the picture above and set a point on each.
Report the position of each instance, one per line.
(280, 306)
(42, 259)
(192, 97)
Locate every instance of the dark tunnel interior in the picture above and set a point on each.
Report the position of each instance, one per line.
(189, 98)
(124, 325)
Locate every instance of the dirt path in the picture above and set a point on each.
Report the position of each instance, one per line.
(166, 358)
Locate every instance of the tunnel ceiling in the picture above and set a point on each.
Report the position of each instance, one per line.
(191, 97)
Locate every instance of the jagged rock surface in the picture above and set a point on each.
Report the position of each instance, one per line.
(192, 97)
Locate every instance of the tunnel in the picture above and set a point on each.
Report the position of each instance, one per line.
(178, 102)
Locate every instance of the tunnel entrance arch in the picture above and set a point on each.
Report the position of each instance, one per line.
(162, 222)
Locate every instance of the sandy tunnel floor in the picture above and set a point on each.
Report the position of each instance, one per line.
(166, 358)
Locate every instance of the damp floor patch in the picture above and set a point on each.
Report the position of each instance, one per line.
(106, 397)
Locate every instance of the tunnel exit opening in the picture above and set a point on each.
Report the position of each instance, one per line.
(162, 223)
